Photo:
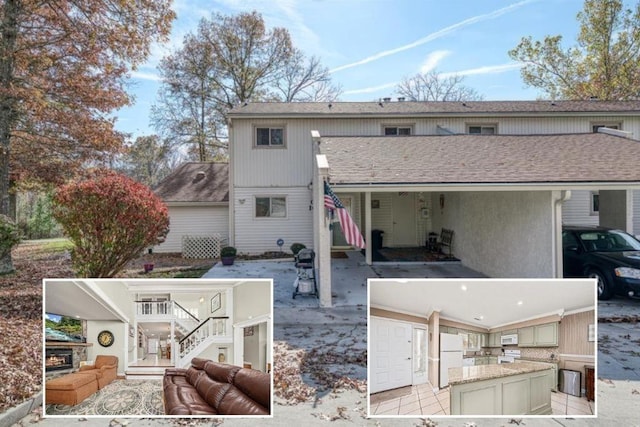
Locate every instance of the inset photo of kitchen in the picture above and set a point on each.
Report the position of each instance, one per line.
(482, 347)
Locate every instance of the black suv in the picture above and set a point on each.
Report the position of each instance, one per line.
(611, 256)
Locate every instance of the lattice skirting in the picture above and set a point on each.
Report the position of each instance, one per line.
(202, 246)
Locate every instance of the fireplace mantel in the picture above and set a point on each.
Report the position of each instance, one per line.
(63, 344)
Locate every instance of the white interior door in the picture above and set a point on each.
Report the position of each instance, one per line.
(404, 219)
(420, 357)
(390, 361)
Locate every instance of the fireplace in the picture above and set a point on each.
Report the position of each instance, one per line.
(56, 359)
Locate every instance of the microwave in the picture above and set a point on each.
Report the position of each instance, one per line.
(509, 339)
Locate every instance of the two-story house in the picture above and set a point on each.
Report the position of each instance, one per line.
(150, 325)
(503, 175)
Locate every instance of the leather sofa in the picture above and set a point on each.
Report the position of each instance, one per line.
(212, 388)
(105, 370)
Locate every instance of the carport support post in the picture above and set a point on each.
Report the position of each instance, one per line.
(322, 241)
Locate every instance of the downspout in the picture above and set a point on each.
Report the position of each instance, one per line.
(556, 247)
(231, 238)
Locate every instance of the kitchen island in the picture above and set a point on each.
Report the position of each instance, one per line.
(503, 389)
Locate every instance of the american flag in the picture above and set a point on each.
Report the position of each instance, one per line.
(349, 227)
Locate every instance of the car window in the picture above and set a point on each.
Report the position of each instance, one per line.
(569, 240)
(609, 241)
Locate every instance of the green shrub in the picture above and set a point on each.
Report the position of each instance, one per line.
(111, 219)
(228, 251)
(9, 235)
(296, 247)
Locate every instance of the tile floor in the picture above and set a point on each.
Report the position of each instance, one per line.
(422, 400)
(411, 400)
(566, 404)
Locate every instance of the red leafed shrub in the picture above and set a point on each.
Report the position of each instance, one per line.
(111, 219)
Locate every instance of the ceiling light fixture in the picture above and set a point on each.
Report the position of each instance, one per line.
(463, 287)
(520, 302)
(201, 300)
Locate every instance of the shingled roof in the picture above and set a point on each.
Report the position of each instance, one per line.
(482, 159)
(437, 108)
(196, 182)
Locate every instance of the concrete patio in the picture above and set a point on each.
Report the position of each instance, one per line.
(349, 277)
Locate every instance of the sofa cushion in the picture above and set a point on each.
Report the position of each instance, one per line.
(255, 384)
(198, 362)
(70, 381)
(234, 402)
(105, 361)
(212, 391)
(221, 372)
(185, 401)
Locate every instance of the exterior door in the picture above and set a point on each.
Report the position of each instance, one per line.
(390, 361)
(420, 357)
(337, 236)
(404, 219)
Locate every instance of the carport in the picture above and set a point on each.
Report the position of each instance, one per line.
(501, 194)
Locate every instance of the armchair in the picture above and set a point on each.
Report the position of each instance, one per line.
(105, 370)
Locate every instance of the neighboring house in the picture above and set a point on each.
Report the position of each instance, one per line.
(495, 172)
(197, 196)
(169, 322)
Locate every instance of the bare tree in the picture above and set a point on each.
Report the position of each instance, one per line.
(305, 80)
(432, 86)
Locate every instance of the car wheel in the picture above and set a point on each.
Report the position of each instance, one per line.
(605, 291)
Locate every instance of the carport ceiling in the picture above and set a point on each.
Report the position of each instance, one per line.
(486, 303)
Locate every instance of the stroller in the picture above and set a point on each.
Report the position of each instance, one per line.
(305, 283)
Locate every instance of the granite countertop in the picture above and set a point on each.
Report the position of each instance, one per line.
(468, 374)
(534, 359)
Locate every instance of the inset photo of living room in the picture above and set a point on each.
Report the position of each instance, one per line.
(158, 347)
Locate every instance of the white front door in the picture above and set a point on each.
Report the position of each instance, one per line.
(420, 358)
(404, 219)
(390, 360)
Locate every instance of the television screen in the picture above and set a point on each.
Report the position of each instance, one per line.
(62, 328)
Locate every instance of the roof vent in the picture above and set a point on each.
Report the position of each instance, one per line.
(400, 98)
(199, 176)
(330, 105)
(593, 98)
(386, 99)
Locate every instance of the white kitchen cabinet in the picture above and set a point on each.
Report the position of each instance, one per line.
(526, 337)
(545, 335)
(494, 339)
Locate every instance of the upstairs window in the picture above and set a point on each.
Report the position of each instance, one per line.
(397, 130)
(271, 207)
(270, 136)
(482, 129)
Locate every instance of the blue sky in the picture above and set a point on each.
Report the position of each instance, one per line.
(371, 45)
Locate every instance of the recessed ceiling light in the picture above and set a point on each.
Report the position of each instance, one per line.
(463, 287)
(402, 281)
(77, 317)
(520, 303)
(479, 318)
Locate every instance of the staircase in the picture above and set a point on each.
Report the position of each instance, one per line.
(211, 330)
(194, 336)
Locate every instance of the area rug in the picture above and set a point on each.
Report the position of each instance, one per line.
(121, 397)
(416, 254)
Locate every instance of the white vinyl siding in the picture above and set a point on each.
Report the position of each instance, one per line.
(195, 221)
(257, 235)
(576, 210)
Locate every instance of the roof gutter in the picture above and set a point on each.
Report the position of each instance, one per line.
(525, 186)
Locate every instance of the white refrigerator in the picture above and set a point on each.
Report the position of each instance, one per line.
(450, 356)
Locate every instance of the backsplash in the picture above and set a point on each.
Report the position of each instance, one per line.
(539, 352)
